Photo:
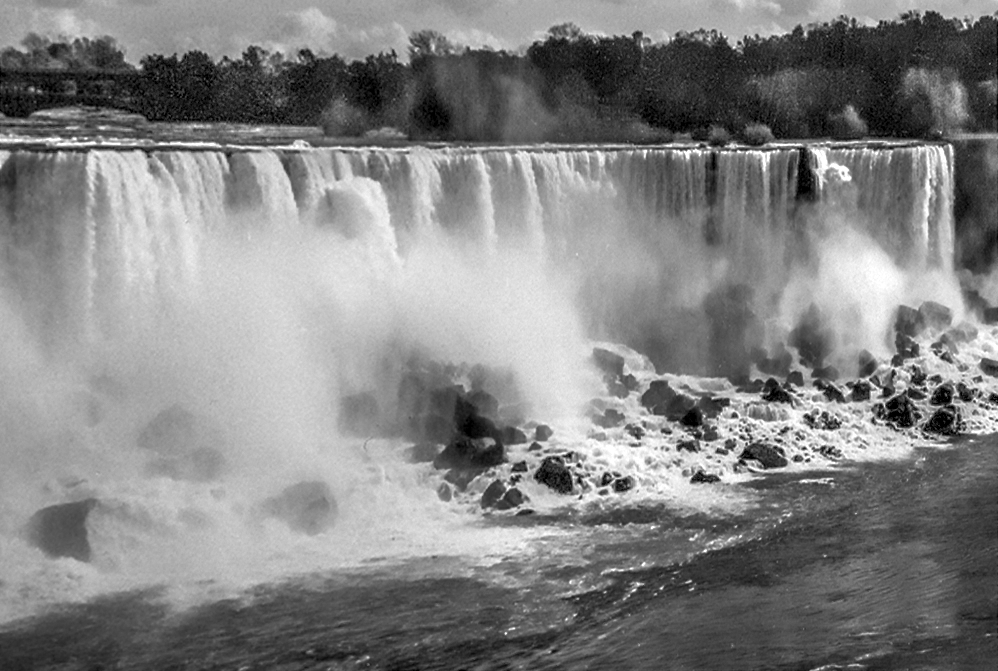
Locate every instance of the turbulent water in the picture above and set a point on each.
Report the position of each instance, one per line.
(254, 291)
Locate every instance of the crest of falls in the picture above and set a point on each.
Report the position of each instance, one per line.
(480, 244)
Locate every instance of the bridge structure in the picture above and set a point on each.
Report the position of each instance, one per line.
(25, 91)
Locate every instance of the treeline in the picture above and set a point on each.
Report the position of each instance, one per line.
(920, 75)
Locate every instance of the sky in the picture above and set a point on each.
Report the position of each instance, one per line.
(357, 28)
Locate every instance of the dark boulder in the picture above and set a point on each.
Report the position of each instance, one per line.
(830, 452)
(493, 494)
(796, 378)
(712, 406)
(899, 410)
(636, 431)
(830, 391)
(630, 382)
(675, 407)
(989, 315)
(61, 530)
(989, 366)
(510, 435)
(555, 474)
(775, 393)
(908, 321)
(608, 362)
(444, 493)
(916, 394)
(693, 417)
(462, 477)
(658, 392)
(542, 433)
(513, 498)
(689, 445)
(861, 391)
(906, 348)
(470, 453)
(966, 394)
(359, 415)
(485, 404)
(624, 484)
(942, 395)
(705, 478)
(946, 421)
(770, 456)
(609, 419)
(963, 332)
(935, 315)
(308, 507)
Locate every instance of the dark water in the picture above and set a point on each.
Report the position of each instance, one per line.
(878, 566)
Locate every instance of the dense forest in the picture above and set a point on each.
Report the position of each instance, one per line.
(919, 75)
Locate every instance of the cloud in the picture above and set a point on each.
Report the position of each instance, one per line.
(769, 7)
(59, 4)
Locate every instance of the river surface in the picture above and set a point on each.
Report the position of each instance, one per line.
(889, 565)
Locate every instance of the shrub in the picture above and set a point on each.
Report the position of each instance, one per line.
(847, 125)
(757, 134)
(718, 136)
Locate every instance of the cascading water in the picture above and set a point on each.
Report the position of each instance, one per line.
(260, 287)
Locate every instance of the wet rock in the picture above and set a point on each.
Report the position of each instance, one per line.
(710, 434)
(513, 498)
(831, 392)
(61, 530)
(966, 394)
(906, 347)
(675, 407)
(861, 391)
(908, 321)
(942, 395)
(542, 433)
(693, 417)
(555, 474)
(492, 494)
(899, 411)
(658, 392)
(421, 453)
(470, 453)
(712, 406)
(690, 445)
(485, 404)
(945, 345)
(774, 393)
(830, 452)
(624, 484)
(510, 435)
(867, 364)
(946, 421)
(519, 467)
(636, 431)
(989, 366)
(823, 420)
(796, 378)
(535, 447)
(468, 421)
(630, 382)
(706, 478)
(308, 507)
(770, 456)
(935, 315)
(616, 389)
(989, 315)
(918, 376)
(359, 415)
(444, 493)
(608, 362)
